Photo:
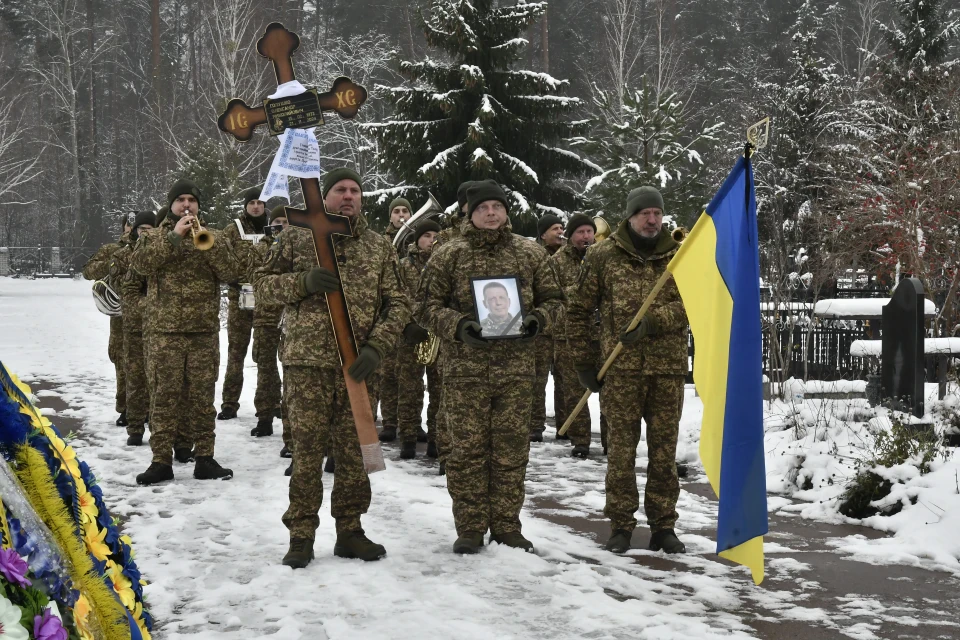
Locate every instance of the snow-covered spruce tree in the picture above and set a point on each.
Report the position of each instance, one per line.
(639, 138)
(470, 115)
(912, 196)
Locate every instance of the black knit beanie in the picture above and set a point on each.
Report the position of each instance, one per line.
(546, 221)
(643, 198)
(484, 190)
(248, 196)
(145, 217)
(181, 187)
(462, 196)
(423, 227)
(400, 202)
(578, 220)
(343, 173)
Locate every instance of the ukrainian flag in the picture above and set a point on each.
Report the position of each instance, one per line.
(718, 273)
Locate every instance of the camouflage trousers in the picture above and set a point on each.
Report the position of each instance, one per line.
(266, 342)
(410, 394)
(544, 362)
(138, 392)
(115, 353)
(489, 431)
(388, 391)
(239, 325)
(442, 437)
(183, 370)
(318, 409)
(658, 400)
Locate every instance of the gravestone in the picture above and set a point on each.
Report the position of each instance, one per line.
(901, 362)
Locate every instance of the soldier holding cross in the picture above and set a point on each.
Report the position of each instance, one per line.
(315, 391)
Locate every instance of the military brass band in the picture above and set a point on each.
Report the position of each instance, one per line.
(426, 303)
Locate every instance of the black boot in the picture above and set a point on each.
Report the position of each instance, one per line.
(408, 450)
(563, 436)
(443, 468)
(285, 452)
(354, 544)
(421, 435)
(536, 436)
(682, 470)
(209, 469)
(388, 434)
(331, 466)
(135, 440)
(122, 420)
(183, 455)
(581, 451)
(513, 539)
(619, 541)
(666, 540)
(227, 414)
(264, 428)
(289, 470)
(299, 554)
(468, 544)
(155, 473)
(277, 414)
(432, 451)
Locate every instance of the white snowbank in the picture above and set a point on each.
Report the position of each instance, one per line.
(865, 348)
(861, 307)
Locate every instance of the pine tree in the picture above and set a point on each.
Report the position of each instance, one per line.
(645, 139)
(472, 116)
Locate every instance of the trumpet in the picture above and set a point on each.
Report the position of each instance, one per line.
(202, 239)
(106, 299)
(427, 350)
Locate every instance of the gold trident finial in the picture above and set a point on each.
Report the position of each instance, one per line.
(758, 135)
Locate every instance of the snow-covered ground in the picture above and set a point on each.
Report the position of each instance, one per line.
(212, 551)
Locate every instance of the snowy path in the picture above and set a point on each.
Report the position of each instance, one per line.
(212, 550)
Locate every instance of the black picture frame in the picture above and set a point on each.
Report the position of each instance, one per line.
(511, 285)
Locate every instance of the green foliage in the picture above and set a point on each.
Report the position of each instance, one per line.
(641, 138)
(212, 171)
(902, 444)
(472, 116)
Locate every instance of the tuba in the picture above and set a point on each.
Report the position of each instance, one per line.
(430, 209)
(603, 229)
(107, 300)
(679, 234)
(202, 239)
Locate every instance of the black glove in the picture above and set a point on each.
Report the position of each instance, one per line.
(319, 280)
(414, 334)
(532, 323)
(588, 379)
(366, 363)
(468, 332)
(644, 329)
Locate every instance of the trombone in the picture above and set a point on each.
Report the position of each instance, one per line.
(202, 239)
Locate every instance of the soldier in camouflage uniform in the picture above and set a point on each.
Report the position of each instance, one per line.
(266, 339)
(646, 381)
(315, 394)
(550, 237)
(446, 235)
(239, 321)
(488, 384)
(133, 290)
(183, 315)
(409, 371)
(388, 386)
(98, 268)
(580, 236)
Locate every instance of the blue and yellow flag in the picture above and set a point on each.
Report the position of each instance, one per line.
(718, 273)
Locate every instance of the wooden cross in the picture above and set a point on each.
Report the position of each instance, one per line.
(302, 111)
(278, 45)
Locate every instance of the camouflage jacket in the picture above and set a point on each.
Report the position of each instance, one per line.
(445, 297)
(378, 307)
(244, 248)
(132, 288)
(264, 315)
(183, 283)
(450, 233)
(615, 280)
(98, 267)
(567, 262)
(410, 269)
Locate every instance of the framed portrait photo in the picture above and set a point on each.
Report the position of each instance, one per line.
(499, 306)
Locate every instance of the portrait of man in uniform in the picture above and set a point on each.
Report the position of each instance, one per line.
(499, 306)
